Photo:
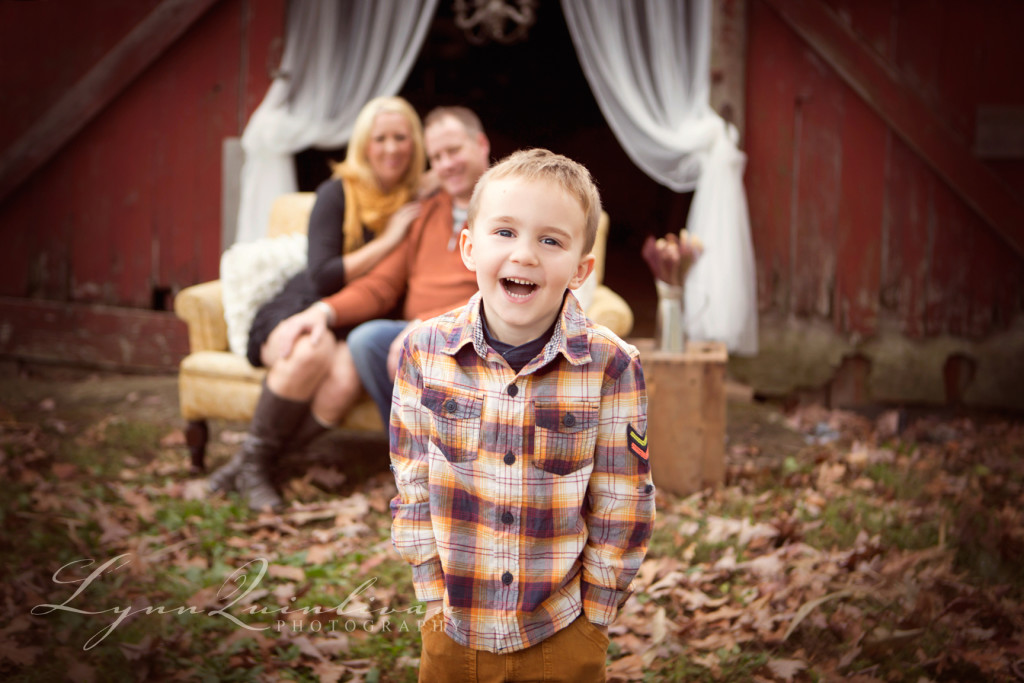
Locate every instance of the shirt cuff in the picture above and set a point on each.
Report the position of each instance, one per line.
(600, 604)
(428, 581)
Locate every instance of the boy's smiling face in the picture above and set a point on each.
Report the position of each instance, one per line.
(526, 248)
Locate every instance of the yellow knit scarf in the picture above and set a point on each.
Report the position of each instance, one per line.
(366, 206)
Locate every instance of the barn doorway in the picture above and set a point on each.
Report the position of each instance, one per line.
(534, 94)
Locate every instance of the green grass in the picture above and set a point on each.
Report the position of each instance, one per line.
(734, 664)
(36, 541)
(51, 514)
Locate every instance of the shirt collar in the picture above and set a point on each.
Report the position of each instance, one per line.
(569, 338)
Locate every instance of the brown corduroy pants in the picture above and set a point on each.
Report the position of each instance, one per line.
(575, 654)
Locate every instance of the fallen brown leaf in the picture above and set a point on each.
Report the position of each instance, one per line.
(173, 439)
(628, 668)
(329, 672)
(18, 654)
(319, 553)
(283, 571)
(786, 669)
(64, 470)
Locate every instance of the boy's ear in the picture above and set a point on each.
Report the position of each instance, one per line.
(585, 268)
(466, 249)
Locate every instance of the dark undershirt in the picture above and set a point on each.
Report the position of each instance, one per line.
(517, 356)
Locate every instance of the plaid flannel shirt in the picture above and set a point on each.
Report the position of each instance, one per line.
(523, 499)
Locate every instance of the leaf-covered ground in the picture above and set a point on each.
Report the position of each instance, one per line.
(841, 548)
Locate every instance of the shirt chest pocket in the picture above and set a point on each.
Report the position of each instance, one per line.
(455, 421)
(565, 435)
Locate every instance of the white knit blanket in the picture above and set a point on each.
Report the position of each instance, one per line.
(251, 273)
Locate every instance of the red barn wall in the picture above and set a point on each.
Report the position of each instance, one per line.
(853, 231)
(131, 205)
(868, 261)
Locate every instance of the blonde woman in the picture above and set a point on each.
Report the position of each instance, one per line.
(360, 215)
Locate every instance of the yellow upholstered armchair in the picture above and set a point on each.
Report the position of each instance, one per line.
(214, 383)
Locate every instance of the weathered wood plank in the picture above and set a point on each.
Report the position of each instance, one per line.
(729, 61)
(995, 283)
(999, 132)
(912, 118)
(686, 422)
(820, 111)
(97, 88)
(92, 335)
(859, 238)
(263, 25)
(46, 47)
(906, 237)
(206, 62)
(952, 249)
(769, 144)
(871, 21)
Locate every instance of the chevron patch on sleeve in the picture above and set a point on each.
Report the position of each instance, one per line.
(637, 442)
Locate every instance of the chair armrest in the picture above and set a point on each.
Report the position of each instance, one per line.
(611, 310)
(202, 309)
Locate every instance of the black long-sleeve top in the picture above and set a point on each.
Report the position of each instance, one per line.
(325, 264)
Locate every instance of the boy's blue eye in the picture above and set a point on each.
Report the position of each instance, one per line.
(504, 232)
(552, 241)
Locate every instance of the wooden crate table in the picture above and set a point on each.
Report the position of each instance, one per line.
(685, 414)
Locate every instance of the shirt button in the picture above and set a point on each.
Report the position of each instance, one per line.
(512, 390)
(510, 458)
(648, 488)
(507, 517)
(569, 420)
(450, 405)
(506, 578)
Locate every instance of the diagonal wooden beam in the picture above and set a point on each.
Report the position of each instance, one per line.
(909, 116)
(90, 95)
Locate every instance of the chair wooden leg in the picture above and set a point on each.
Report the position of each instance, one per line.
(197, 433)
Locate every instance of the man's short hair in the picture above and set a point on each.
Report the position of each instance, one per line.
(541, 164)
(469, 120)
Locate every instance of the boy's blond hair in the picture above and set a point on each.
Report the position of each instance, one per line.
(540, 164)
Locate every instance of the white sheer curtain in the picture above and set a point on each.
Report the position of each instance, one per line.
(647, 62)
(338, 55)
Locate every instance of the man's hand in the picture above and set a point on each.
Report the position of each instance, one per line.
(312, 321)
(395, 352)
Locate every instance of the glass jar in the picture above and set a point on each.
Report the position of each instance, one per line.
(669, 332)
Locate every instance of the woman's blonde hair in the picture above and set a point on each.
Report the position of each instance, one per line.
(356, 164)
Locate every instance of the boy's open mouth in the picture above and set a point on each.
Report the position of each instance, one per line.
(517, 288)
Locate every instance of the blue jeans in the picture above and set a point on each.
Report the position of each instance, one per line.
(369, 344)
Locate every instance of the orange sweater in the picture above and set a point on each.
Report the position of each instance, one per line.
(433, 279)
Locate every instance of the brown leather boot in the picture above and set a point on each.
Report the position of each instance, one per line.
(225, 479)
(307, 431)
(253, 479)
(273, 422)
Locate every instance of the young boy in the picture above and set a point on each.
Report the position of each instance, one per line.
(518, 443)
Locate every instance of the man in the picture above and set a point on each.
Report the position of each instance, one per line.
(426, 268)
(459, 154)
